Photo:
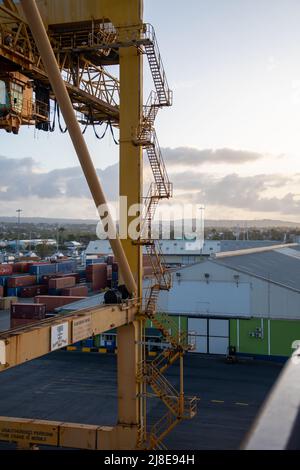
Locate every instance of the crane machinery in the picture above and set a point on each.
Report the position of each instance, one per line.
(56, 55)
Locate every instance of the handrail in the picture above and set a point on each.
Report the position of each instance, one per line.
(278, 423)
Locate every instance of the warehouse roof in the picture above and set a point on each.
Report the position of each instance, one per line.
(189, 248)
(232, 245)
(89, 302)
(276, 265)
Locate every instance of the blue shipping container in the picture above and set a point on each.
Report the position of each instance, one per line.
(54, 291)
(41, 270)
(95, 261)
(13, 291)
(66, 267)
(3, 280)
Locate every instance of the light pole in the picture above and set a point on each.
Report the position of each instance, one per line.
(19, 222)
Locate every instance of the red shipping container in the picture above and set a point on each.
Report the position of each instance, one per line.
(28, 311)
(77, 290)
(32, 291)
(95, 268)
(76, 275)
(97, 275)
(61, 282)
(19, 322)
(21, 281)
(6, 269)
(99, 280)
(110, 259)
(21, 267)
(46, 277)
(52, 302)
(1, 291)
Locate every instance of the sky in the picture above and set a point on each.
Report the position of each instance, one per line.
(230, 142)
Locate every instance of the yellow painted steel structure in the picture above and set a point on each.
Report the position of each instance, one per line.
(119, 12)
(129, 40)
(24, 344)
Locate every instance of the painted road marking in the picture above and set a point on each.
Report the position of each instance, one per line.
(237, 403)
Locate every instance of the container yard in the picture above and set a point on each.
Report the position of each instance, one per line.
(137, 343)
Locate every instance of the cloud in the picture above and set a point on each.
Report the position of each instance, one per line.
(188, 156)
(20, 178)
(23, 183)
(234, 191)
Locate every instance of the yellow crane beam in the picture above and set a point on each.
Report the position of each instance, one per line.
(32, 432)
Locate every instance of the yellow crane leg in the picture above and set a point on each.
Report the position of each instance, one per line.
(130, 349)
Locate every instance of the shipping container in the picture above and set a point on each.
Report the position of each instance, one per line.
(66, 266)
(6, 302)
(21, 280)
(32, 291)
(45, 278)
(53, 302)
(95, 261)
(97, 275)
(61, 282)
(81, 291)
(13, 291)
(110, 259)
(21, 267)
(54, 292)
(41, 269)
(70, 274)
(6, 269)
(3, 280)
(28, 311)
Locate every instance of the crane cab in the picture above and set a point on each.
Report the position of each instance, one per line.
(17, 103)
(16, 95)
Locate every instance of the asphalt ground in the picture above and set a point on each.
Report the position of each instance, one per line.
(82, 387)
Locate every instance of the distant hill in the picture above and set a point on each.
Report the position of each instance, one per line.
(261, 223)
(209, 223)
(49, 221)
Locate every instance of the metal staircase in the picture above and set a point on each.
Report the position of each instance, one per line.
(151, 373)
(165, 95)
(179, 407)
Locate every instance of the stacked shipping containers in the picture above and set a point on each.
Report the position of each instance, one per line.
(96, 274)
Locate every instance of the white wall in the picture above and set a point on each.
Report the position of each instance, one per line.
(224, 294)
(213, 298)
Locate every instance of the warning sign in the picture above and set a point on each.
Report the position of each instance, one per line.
(82, 328)
(59, 336)
(46, 434)
(2, 353)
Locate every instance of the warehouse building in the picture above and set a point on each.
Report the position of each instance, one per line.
(238, 299)
(249, 299)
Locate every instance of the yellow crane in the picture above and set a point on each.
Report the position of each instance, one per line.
(59, 50)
